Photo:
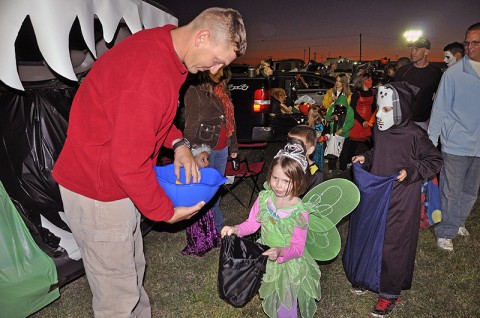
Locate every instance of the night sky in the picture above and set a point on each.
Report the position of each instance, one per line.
(292, 29)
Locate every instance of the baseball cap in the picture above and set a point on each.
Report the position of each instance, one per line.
(421, 42)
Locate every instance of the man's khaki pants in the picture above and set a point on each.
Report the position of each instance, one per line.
(109, 237)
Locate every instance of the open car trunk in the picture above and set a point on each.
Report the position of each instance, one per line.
(38, 252)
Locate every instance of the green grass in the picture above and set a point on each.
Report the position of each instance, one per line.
(445, 284)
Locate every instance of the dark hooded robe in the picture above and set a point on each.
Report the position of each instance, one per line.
(403, 146)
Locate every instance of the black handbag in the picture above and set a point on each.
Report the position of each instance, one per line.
(241, 269)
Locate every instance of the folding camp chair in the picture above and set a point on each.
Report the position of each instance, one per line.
(247, 172)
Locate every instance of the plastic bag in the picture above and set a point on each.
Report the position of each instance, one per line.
(305, 99)
(28, 277)
(241, 269)
(334, 145)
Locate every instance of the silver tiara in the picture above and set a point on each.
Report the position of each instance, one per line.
(295, 152)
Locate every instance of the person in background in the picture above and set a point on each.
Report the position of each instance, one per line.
(264, 69)
(341, 87)
(116, 128)
(402, 148)
(389, 73)
(202, 235)
(307, 138)
(332, 69)
(292, 277)
(402, 61)
(423, 75)
(363, 105)
(316, 121)
(455, 120)
(340, 118)
(210, 120)
(453, 52)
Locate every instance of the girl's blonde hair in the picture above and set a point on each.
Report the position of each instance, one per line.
(345, 84)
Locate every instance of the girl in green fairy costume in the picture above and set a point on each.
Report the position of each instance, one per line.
(292, 277)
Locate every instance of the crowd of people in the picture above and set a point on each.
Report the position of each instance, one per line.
(393, 132)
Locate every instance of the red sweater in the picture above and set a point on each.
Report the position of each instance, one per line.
(121, 115)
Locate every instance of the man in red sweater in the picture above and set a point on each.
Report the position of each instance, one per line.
(121, 116)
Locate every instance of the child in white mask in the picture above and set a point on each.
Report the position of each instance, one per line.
(402, 150)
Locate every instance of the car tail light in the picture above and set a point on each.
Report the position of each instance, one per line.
(261, 100)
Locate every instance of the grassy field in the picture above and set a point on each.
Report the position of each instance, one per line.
(445, 284)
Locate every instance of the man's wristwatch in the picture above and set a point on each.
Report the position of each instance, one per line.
(183, 142)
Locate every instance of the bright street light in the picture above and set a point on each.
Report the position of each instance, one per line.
(412, 35)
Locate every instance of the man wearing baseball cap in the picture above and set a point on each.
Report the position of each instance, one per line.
(423, 75)
(421, 42)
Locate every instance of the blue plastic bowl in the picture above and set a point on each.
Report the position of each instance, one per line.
(192, 193)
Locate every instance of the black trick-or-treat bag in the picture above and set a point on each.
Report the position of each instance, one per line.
(240, 270)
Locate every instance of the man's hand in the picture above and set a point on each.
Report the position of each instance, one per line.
(360, 159)
(184, 158)
(182, 212)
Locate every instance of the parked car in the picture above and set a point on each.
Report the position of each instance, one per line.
(287, 65)
(251, 99)
(314, 85)
(239, 68)
(314, 66)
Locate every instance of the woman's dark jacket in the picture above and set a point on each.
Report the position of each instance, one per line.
(204, 116)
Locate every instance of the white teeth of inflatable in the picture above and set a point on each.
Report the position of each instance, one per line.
(52, 21)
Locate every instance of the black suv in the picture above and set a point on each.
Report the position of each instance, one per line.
(251, 98)
(312, 84)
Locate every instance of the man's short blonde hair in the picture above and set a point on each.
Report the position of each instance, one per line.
(225, 24)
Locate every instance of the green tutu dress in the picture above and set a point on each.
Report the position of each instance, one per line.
(298, 278)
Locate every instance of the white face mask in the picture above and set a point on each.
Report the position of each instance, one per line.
(449, 58)
(385, 108)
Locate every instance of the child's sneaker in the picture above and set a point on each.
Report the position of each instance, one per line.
(384, 306)
(357, 290)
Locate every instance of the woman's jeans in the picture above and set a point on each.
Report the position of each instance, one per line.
(218, 160)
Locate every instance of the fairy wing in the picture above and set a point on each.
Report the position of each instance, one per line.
(328, 203)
